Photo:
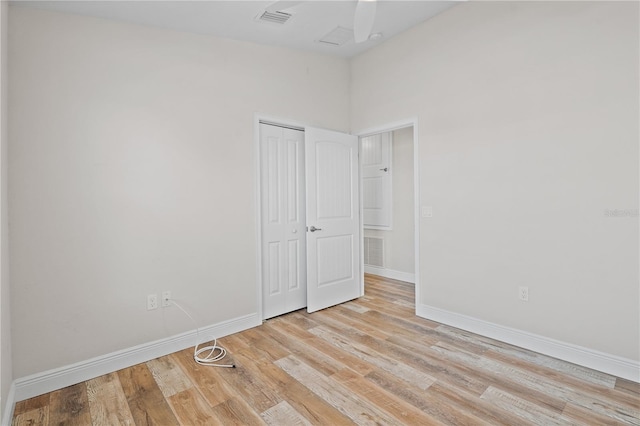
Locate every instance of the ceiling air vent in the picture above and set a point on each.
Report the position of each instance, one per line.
(337, 37)
(275, 17)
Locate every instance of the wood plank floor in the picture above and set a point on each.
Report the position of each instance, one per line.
(369, 361)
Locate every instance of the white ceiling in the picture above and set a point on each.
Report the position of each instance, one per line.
(311, 20)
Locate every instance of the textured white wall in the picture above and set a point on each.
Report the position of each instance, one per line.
(399, 242)
(528, 127)
(132, 172)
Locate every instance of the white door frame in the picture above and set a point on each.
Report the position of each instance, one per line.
(257, 119)
(389, 127)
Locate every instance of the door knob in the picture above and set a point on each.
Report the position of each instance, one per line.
(314, 229)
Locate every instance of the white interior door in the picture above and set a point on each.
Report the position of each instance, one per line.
(283, 220)
(333, 218)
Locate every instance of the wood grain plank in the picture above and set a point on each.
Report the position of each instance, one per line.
(400, 410)
(191, 409)
(303, 350)
(31, 404)
(549, 364)
(602, 390)
(284, 414)
(212, 387)
(355, 307)
(169, 377)
(506, 378)
(70, 406)
(312, 341)
(334, 319)
(579, 415)
(403, 371)
(237, 412)
(361, 412)
(311, 406)
(470, 404)
(147, 403)
(260, 339)
(248, 385)
(629, 387)
(396, 326)
(235, 342)
(528, 411)
(107, 402)
(543, 387)
(437, 408)
(35, 417)
(452, 374)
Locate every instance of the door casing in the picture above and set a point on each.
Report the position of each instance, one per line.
(389, 127)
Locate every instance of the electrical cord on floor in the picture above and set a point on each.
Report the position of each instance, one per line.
(211, 358)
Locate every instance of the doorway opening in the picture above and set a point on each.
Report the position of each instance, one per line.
(390, 202)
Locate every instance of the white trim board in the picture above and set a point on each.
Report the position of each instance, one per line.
(390, 273)
(48, 381)
(590, 358)
(390, 127)
(9, 406)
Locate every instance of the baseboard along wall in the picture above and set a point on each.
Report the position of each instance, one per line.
(390, 273)
(596, 360)
(48, 381)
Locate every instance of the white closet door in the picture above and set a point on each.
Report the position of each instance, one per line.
(283, 220)
(333, 221)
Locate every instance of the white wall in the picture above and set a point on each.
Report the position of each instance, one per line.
(131, 153)
(6, 368)
(132, 172)
(399, 242)
(528, 127)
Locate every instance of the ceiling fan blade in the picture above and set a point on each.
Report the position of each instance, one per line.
(364, 19)
(282, 5)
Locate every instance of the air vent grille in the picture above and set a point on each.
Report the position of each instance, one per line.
(337, 37)
(374, 251)
(275, 17)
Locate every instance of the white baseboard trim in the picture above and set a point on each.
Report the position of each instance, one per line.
(9, 405)
(607, 363)
(47, 381)
(390, 273)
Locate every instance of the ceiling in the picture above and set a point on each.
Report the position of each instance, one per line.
(310, 20)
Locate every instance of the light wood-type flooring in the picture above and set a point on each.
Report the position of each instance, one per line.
(368, 361)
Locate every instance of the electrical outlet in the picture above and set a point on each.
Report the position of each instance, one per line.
(523, 293)
(152, 301)
(166, 299)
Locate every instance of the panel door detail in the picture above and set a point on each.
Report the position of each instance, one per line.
(284, 273)
(333, 218)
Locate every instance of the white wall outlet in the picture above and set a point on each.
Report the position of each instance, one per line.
(166, 299)
(427, 211)
(523, 293)
(152, 301)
